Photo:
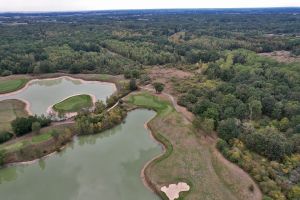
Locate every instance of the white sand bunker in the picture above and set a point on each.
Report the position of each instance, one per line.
(173, 190)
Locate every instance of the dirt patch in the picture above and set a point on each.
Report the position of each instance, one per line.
(282, 56)
(167, 73)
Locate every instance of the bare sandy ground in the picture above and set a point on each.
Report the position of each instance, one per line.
(173, 190)
(282, 56)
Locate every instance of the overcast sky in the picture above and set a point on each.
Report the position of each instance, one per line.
(77, 5)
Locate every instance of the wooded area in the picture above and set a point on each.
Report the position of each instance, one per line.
(250, 100)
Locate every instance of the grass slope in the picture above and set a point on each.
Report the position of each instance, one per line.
(74, 104)
(10, 110)
(7, 86)
(187, 158)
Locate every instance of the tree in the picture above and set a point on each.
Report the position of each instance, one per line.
(36, 127)
(269, 143)
(255, 109)
(132, 84)
(99, 107)
(229, 129)
(2, 156)
(21, 126)
(159, 87)
(294, 192)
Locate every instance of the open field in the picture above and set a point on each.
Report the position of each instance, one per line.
(7, 86)
(74, 104)
(9, 110)
(188, 158)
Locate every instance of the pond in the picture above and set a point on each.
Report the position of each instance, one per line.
(40, 94)
(105, 166)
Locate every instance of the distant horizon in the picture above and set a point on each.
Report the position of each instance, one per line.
(137, 9)
(106, 5)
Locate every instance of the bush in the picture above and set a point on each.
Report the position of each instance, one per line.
(5, 136)
(132, 85)
(2, 153)
(6, 73)
(159, 87)
(22, 125)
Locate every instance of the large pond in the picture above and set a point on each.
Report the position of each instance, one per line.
(41, 94)
(105, 166)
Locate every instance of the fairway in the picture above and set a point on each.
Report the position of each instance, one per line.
(187, 157)
(9, 110)
(74, 104)
(7, 86)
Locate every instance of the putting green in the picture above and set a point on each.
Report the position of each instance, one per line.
(74, 104)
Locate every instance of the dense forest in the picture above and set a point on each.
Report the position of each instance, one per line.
(251, 101)
(111, 42)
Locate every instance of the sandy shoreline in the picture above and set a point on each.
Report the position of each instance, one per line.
(51, 111)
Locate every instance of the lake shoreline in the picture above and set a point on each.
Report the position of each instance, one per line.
(82, 81)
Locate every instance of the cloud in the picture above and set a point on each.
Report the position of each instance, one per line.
(71, 5)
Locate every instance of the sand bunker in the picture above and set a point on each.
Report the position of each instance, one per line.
(173, 190)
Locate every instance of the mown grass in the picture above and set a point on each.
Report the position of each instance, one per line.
(187, 158)
(149, 101)
(7, 86)
(74, 104)
(10, 110)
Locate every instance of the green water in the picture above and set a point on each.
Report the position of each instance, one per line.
(44, 93)
(105, 166)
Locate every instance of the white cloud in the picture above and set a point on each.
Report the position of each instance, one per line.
(68, 5)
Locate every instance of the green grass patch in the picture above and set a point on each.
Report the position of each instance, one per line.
(41, 137)
(7, 86)
(149, 101)
(74, 104)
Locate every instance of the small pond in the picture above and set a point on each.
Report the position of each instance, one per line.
(105, 166)
(42, 93)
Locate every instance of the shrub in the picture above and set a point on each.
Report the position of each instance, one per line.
(132, 84)
(22, 125)
(5, 136)
(2, 155)
(159, 87)
(6, 73)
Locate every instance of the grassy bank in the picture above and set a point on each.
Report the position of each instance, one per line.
(7, 86)
(33, 146)
(10, 110)
(187, 157)
(74, 104)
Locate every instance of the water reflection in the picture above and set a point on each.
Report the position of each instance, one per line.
(46, 92)
(102, 166)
